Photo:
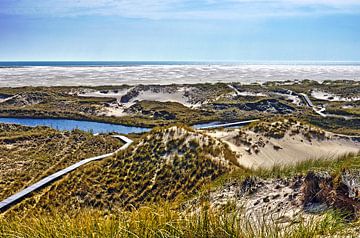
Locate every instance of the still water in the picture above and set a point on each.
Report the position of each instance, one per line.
(66, 124)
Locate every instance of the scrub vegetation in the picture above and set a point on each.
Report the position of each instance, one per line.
(169, 219)
(171, 180)
(160, 166)
(155, 105)
(28, 154)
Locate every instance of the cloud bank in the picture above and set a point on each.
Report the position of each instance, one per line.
(180, 9)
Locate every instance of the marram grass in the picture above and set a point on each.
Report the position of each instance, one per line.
(162, 221)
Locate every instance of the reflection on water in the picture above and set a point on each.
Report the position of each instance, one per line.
(89, 126)
(66, 124)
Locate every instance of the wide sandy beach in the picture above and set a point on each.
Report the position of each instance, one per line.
(168, 74)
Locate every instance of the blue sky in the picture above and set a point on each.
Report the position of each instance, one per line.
(204, 30)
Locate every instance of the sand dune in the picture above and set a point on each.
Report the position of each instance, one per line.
(289, 150)
(177, 95)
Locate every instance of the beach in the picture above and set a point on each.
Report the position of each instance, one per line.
(96, 75)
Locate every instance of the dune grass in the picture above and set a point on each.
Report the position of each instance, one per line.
(163, 221)
(162, 165)
(332, 165)
(28, 154)
(106, 181)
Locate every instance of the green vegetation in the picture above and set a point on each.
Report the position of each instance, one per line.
(278, 127)
(338, 87)
(214, 102)
(336, 125)
(142, 191)
(54, 102)
(346, 109)
(342, 88)
(332, 165)
(166, 113)
(159, 167)
(163, 221)
(61, 102)
(28, 154)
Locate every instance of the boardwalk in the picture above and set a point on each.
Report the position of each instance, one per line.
(306, 99)
(309, 103)
(227, 124)
(235, 89)
(51, 178)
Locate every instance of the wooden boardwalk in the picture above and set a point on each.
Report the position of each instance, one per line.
(227, 124)
(309, 103)
(306, 99)
(17, 197)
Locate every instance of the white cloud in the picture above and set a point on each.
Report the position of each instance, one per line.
(181, 9)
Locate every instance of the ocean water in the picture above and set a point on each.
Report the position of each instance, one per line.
(149, 63)
(16, 74)
(92, 63)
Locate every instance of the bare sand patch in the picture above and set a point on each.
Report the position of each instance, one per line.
(164, 96)
(103, 93)
(265, 152)
(321, 95)
(159, 94)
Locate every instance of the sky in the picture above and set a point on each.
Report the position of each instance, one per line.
(179, 30)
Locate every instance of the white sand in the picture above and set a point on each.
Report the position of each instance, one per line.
(332, 97)
(245, 93)
(113, 111)
(294, 149)
(118, 109)
(149, 95)
(292, 98)
(110, 94)
(168, 74)
(177, 96)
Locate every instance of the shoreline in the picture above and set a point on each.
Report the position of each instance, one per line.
(125, 124)
(167, 83)
(171, 74)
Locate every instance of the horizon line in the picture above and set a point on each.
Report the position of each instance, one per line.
(197, 61)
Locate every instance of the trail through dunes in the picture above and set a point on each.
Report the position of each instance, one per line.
(160, 166)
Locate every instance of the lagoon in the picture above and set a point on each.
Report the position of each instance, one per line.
(67, 124)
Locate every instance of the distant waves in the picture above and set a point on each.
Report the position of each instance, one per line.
(167, 74)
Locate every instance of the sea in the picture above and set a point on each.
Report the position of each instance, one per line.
(95, 73)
